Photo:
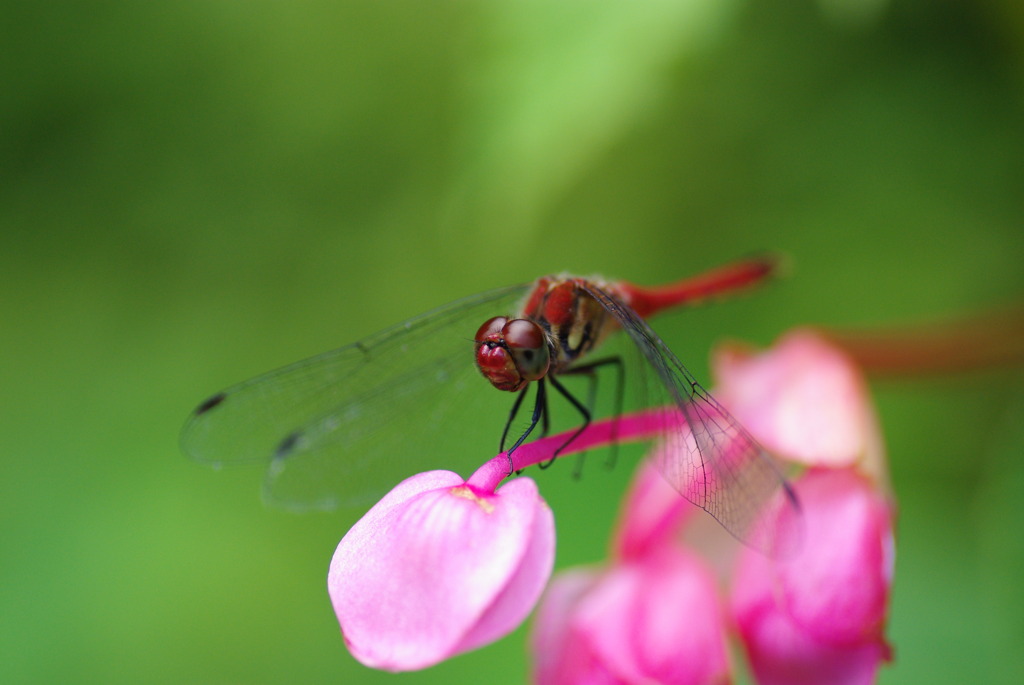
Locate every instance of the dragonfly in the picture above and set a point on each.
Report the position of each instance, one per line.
(341, 428)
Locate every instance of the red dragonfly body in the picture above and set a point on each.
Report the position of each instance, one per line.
(341, 427)
(565, 317)
(561, 320)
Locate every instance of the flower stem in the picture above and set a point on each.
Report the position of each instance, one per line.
(638, 426)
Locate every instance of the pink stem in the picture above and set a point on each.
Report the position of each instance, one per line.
(643, 425)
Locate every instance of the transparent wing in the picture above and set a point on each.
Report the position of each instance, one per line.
(342, 428)
(712, 460)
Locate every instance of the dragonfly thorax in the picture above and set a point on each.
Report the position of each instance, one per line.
(512, 352)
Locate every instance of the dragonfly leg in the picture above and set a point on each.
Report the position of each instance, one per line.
(539, 410)
(620, 394)
(580, 408)
(545, 426)
(590, 371)
(587, 371)
(512, 417)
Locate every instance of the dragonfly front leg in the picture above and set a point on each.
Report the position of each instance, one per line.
(540, 410)
(512, 417)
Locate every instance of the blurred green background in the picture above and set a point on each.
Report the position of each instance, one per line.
(195, 192)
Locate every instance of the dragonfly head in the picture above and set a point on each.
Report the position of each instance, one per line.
(511, 352)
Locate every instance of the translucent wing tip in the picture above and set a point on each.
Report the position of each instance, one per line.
(778, 531)
(209, 403)
(195, 439)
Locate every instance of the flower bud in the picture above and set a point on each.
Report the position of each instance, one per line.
(439, 567)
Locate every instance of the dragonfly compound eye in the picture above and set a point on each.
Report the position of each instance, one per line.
(493, 357)
(491, 330)
(529, 348)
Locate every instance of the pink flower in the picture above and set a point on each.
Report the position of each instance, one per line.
(802, 399)
(817, 616)
(652, 513)
(820, 616)
(654, 619)
(439, 567)
(653, 616)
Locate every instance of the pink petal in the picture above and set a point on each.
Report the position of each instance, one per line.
(802, 399)
(562, 654)
(832, 598)
(517, 599)
(437, 568)
(653, 511)
(654, 620)
(658, 621)
(781, 654)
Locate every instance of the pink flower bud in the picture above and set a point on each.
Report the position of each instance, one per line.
(819, 617)
(439, 567)
(652, 513)
(654, 620)
(803, 399)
